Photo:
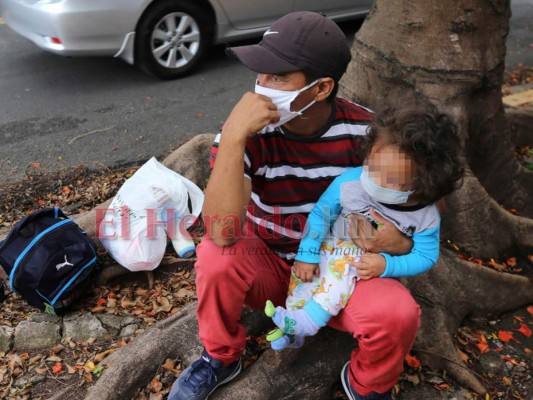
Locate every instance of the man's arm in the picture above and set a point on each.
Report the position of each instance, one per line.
(228, 192)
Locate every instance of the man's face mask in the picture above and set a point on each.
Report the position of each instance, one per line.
(283, 99)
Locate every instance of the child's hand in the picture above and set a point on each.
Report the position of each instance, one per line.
(371, 266)
(305, 271)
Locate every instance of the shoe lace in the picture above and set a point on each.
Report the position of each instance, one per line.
(201, 371)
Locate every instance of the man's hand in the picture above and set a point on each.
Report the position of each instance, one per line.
(386, 238)
(251, 114)
(305, 271)
(370, 266)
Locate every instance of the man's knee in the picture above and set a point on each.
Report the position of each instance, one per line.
(388, 303)
(215, 261)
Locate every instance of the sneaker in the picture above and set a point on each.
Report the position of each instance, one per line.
(352, 394)
(200, 380)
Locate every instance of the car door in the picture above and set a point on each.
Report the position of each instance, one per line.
(336, 9)
(250, 14)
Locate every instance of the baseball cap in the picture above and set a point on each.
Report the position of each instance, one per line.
(301, 40)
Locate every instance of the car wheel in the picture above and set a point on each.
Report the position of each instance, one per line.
(172, 38)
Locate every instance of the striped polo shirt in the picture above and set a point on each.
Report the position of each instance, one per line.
(289, 173)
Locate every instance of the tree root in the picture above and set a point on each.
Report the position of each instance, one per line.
(442, 313)
(504, 234)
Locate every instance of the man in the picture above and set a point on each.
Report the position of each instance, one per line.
(278, 151)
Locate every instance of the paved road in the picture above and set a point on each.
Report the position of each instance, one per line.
(50, 106)
(520, 38)
(61, 112)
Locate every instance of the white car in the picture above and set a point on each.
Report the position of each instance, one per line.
(166, 38)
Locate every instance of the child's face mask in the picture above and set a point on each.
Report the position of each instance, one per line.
(382, 194)
(283, 99)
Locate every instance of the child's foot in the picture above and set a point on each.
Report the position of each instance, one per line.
(293, 322)
(279, 341)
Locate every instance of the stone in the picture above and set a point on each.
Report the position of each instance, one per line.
(112, 323)
(128, 330)
(82, 327)
(31, 335)
(6, 338)
(43, 317)
(491, 361)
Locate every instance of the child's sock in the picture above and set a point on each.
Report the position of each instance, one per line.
(279, 341)
(303, 322)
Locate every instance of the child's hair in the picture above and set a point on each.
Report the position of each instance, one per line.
(430, 139)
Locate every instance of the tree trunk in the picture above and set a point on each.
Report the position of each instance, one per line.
(450, 54)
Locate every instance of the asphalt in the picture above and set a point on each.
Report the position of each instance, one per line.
(520, 37)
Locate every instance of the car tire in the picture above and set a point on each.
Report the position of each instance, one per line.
(172, 38)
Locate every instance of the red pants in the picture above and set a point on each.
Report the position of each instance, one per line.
(381, 314)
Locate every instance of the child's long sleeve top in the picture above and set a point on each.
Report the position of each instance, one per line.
(346, 196)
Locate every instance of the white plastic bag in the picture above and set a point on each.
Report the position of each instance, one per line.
(134, 230)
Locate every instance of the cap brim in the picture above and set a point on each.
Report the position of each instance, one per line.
(260, 59)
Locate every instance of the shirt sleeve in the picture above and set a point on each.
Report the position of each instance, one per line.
(422, 257)
(319, 221)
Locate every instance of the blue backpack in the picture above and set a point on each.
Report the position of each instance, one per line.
(48, 259)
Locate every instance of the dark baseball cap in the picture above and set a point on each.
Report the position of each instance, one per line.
(298, 41)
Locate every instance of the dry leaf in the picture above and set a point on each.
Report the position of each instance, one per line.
(506, 336)
(89, 366)
(41, 371)
(169, 364)
(156, 385)
(97, 309)
(111, 303)
(414, 378)
(57, 368)
(412, 361)
(70, 369)
(54, 359)
(100, 356)
(524, 330)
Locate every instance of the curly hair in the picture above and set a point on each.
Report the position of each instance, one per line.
(430, 139)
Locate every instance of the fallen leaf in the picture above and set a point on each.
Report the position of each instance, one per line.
(36, 165)
(100, 356)
(506, 336)
(70, 369)
(482, 344)
(41, 371)
(507, 381)
(524, 330)
(54, 359)
(530, 310)
(89, 366)
(412, 361)
(57, 368)
(169, 364)
(414, 378)
(156, 385)
(511, 261)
